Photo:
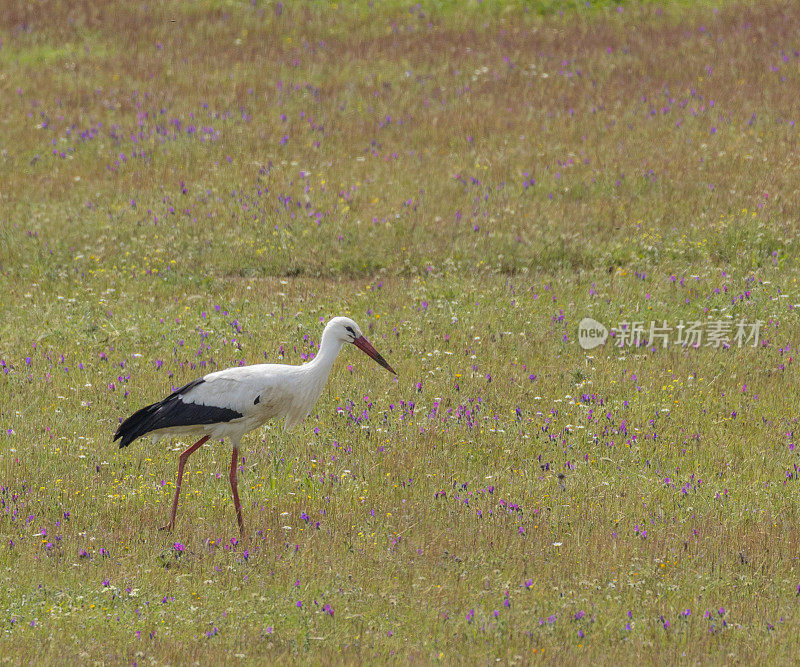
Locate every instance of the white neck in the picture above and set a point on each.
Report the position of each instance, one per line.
(329, 348)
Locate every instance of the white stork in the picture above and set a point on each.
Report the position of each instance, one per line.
(232, 402)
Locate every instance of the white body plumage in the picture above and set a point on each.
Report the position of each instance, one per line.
(234, 401)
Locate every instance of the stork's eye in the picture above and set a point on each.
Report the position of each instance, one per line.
(350, 329)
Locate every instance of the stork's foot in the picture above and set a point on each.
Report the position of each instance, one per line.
(168, 527)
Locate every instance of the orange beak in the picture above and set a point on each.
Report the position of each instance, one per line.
(366, 347)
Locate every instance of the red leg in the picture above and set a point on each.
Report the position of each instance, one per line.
(181, 465)
(235, 489)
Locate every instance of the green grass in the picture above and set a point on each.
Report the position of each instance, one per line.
(192, 186)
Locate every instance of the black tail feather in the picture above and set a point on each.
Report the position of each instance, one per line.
(147, 419)
(172, 412)
(135, 426)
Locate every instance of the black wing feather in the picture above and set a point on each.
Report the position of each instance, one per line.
(171, 412)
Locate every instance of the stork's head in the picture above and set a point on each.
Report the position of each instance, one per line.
(347, 331)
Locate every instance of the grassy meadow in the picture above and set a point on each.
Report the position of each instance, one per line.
(187, 186)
